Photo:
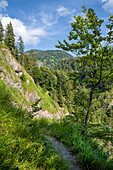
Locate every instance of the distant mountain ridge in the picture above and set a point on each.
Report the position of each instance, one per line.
(50, 58)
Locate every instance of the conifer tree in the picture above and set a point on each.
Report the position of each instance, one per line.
(30, 62)
(69, 95)
(33, 61)
(21, 50)
(60, 96)
(1, 31)
(16, 55)
(27, 64)
(10, 38)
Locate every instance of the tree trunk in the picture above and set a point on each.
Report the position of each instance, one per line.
(89, 108)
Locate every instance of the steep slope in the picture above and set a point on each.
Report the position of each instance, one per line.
(22, 145)
(24, 91)
(50, 58)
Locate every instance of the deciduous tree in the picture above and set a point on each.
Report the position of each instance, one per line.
(93, 51)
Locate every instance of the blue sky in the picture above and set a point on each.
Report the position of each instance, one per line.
(41, 23)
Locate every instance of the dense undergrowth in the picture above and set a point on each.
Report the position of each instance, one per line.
(90, 154)
(21, 144)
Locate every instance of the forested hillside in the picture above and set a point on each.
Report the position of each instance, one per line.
(75, 94)
(67, 65)
(50, 58)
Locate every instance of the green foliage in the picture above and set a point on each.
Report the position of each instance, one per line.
(67, 65)
(50, 58)
(1, 32)
(30, 62)
(90, 154)
(35, 106)
(80, 101)
(54, 82)
(49, 80)
(16, 55)
(23, 77)
(37, 75)
(21, 144)
(21, 50)
(26, 91)
(10, 38)
(96, 58)
(60, 97)
(27, 65)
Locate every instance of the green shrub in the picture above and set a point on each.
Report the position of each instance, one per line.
(23, 77)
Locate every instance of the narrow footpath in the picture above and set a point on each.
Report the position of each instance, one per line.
(64, 152)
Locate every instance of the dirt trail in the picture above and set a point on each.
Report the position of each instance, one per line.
(64, 152)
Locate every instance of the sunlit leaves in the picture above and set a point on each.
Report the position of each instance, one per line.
(93, 49)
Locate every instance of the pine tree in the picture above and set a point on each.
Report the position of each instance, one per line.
(16, 55)
(69, 95)
(21, 50)
(33, 61)
(1, 32)
(10, 38)
(60, 97)
(27, 65)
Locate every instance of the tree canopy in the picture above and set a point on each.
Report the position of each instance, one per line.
(21, 50)
(1, 31)
(10, 38)
(93, 50)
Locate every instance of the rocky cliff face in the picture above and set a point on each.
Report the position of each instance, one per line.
(12, 72)
(24, 88)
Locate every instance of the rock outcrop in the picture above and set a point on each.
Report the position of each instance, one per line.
(24, 89)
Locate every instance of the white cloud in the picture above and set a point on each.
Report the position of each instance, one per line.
(0, 16)
(62, 11)
(104, 0)
(30, 35)
(3, 5)
(32, 19)
(108, 5)
(48, 19)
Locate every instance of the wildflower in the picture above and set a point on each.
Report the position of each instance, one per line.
(9, 125)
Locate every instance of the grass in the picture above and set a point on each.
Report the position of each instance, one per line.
(31, 88)
(90, 154)
(21, 144)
